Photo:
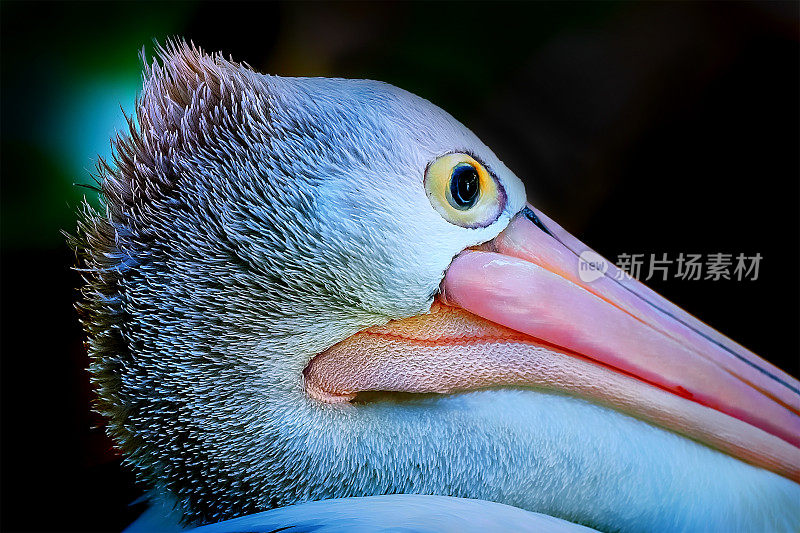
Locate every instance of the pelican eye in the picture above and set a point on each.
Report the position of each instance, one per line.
(464, 186)
(463, 191)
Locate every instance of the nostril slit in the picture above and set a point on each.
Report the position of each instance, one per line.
(530, 215)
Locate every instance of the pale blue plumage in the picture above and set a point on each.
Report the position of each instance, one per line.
(397, 513)
(556, 455)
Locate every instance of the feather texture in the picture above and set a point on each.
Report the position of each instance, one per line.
(399, 512)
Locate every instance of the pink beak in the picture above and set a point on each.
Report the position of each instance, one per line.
(515, 311)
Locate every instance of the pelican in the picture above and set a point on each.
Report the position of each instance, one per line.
(307, 289)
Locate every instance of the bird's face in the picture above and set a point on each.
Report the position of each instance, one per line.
(311, 288)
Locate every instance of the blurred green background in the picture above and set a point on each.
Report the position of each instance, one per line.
(641, 127)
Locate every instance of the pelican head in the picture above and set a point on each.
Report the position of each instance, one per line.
(305, 288)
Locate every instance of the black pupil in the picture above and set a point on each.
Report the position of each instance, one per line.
(464, 185)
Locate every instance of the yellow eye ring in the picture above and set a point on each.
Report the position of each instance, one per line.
(463, 191)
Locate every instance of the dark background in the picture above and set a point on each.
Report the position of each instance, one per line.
(642, 128)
